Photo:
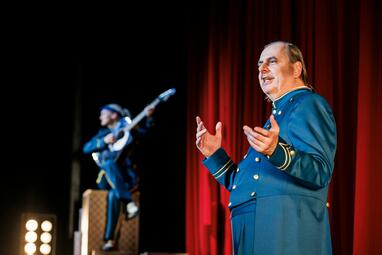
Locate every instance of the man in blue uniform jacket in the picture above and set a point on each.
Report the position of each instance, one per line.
(278, 191)
(117, 174)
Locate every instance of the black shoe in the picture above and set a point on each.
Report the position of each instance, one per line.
(109, 246)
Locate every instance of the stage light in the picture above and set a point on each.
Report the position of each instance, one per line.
(46, 237)
(45, 248)
(38, 234)
(31, 225)
(46, 225)
(31, 236)
(30, 248)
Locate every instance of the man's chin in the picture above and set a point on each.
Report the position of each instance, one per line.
(267, 89)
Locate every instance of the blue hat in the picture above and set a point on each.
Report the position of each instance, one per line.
(122, 112)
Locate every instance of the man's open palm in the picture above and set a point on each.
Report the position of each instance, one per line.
(205, 141)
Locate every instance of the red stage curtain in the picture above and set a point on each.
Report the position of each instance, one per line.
(341, 44)
(367, 207)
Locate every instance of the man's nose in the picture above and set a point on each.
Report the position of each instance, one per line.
(263, 68)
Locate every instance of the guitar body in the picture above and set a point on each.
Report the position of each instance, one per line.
(122, 142)
(115, 149)
(122, 134)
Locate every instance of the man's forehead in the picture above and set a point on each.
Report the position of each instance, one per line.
(105, 111)
(273, 50)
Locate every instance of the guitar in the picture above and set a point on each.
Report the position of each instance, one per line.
(122, 131)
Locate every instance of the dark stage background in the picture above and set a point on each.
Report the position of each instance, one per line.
(97, 54)
(63, 61)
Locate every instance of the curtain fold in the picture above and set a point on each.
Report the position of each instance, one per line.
(367, 206)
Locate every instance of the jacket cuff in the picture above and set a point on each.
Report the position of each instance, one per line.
(218, 163)
(282, 156)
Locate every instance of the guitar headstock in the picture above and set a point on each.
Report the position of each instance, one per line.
(165, 95)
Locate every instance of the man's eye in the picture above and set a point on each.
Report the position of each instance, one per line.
(273, 61)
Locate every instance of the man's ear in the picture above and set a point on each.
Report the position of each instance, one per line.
(297, 69)
(114, 116)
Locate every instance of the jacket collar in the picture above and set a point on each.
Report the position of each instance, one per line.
(279, 102)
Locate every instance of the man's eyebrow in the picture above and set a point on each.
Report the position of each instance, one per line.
(272, 58)
(267, 60)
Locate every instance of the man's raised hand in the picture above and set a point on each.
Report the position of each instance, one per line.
(205, 141)
(262, 140)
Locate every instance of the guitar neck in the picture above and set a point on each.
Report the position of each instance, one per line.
(140, 116)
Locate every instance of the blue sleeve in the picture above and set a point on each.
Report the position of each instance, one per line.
(142, 129)
(309, 157)
(96, 144)
(221, 167)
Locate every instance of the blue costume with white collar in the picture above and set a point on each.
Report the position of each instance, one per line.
(278, 203)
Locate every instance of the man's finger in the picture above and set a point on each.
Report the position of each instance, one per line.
(200, 133)
(248, 134)
(218, 129)
(198, 120)
(200, 126)
(274, 124)
(256, 147)
(258, 142)
(252, 138)
(248, 129)
(198, 141)
(262, 131)
(261, 138)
